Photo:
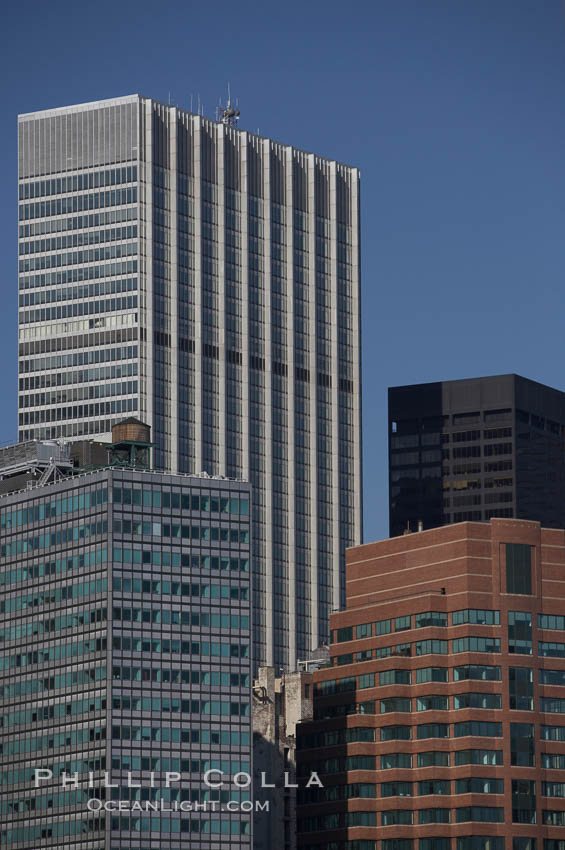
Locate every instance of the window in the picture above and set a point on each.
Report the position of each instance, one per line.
(434, 843)
(434, 816)
(553, 761)
(395, 704)
(433, 786)
(401, 624)
(477, 700)
(344, 659)
(551, 621)
(551, 705)
(383, 651)
(485, 673)
(552, 677)
(522, 745)
(357, 733)
(481, 814)
(523, 801)
(363, 631)
(397, 817)
(519, 843)
(432, 647)
(396, 733)
(432, 702)
(394, 760)
(475, 616)
(553, 818)
(480, 842)
(479, 785)
(395, 677)
(431, 674)
(518, 568)
(403, 649)
(433, 730)
(478, 757)
(393, 843)
(551, 650)
(382, 627)
(356, 789)
(433, 758)
(520, 632)
(361, 819)
(476, 644)
(345, 634)
(480, 728)
(521, 688)
(367, 680)
(396, 789)
(553, 789)
(430, 618)
(552, 733)
(360, 763)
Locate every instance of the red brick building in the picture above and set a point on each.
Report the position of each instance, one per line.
(441, 723)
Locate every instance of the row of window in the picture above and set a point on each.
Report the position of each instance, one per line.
(402, 817)
(155, 557)
(56, 711)
(62, 379)
(72, 258)
(59, 537)
(55, 567)
(79, 411)
(78, 203)
(77, 222)
(76, 240)
(78, 182)
(53, 740)
(56, 594)
(76, 275)
(57, 652)
(356, 734)
(71, 678)
(474, 616)
(82, 308)
(474, 842)
(161, 498)
(78, 358)
(82, 499)
(178, 531)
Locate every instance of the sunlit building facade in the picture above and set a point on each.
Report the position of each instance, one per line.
(207, 280)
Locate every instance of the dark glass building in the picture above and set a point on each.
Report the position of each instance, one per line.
(125, 654)
(475, 449)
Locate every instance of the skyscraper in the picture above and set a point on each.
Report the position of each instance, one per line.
(125, 635)
(475, 449)
(207, 279)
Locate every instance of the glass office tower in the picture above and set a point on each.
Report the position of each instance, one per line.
(207, 280)
(125, 648)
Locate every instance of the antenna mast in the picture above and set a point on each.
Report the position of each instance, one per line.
(230, 115)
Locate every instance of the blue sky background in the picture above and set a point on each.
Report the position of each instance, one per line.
(454, 111)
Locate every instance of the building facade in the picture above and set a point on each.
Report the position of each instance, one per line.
(125, 656)
(279, 705)
(206, 279)
(440, 724)
(475, 449)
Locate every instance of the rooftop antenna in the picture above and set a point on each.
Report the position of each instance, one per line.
(191, 103)
(230, 115)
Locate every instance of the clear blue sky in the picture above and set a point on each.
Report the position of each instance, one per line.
(454, 111)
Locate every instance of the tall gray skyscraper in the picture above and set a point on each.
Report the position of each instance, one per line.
(206, 279)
